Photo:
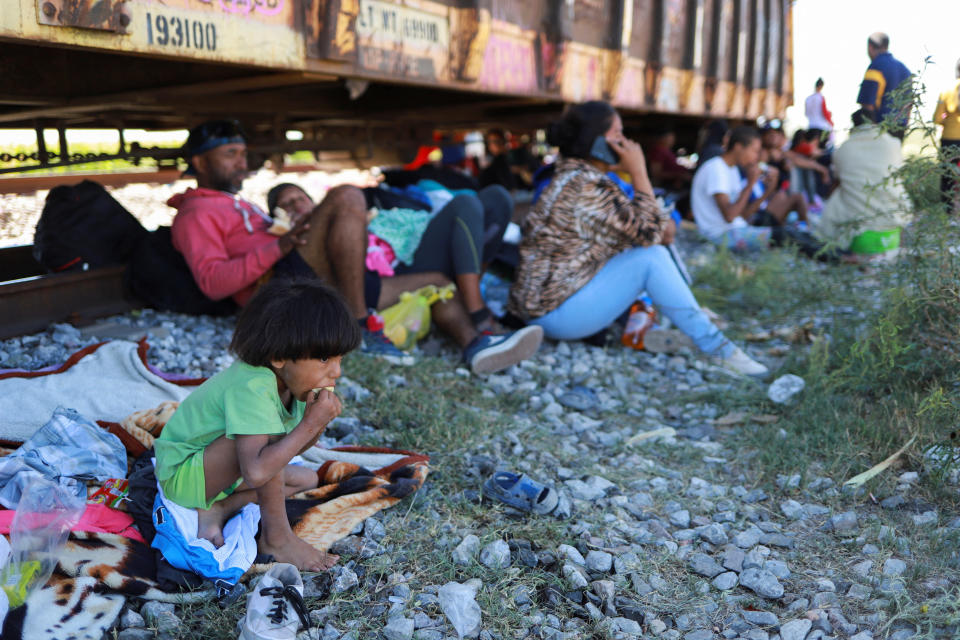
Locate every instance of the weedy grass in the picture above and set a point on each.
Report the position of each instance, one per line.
(882, 368)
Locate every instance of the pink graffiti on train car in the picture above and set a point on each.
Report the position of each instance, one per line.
(508, 65)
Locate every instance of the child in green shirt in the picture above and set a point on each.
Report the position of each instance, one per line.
(231, 441)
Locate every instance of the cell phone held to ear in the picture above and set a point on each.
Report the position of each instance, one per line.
(602, 151)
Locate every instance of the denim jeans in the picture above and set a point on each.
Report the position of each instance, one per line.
(621, 281)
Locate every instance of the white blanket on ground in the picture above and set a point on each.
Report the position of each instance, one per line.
(108, 384)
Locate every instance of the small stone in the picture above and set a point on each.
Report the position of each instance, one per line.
(592, 489)
(845, 521)
(925, 519)
(825, 584)
(858, 591)
(704, 565)
(862, 569)
(574, 576)
(893, 567)
(824, 600)
(595, 614)
(398, 628)
(863, 635)
(795, 629)
(777, 568)
(134, 633)
(870, 549)
(680, 518)
(784, 388)
(714, 534)
(496, 555)
(656, 626)
(777, 540)
(131, 618)
(628, 626)
(893, 502)
(522, 596)
(466, 551)
(760, 618)
(571, 554)
(152, 610)
(733, 558)
(605, 589)
(725, 581)
(747, 539)
(761, 582)
(374, 529)
(793, 510)
(528, 557)
(699, 634)
(167, 624)
(754, 558)
(599, 561)
(345, 581)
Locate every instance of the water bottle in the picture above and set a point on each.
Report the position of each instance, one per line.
(642, 316)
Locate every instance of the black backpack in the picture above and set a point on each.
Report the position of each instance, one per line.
(83, 225)
(158, 275)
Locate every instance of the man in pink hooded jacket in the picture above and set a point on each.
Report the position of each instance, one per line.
(225, 241)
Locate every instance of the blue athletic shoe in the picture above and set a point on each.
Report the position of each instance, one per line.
(377, 344)
(489, 353)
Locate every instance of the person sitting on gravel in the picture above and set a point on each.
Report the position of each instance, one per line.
(231, 441)
(724, 204)
(225, 241)
(589, 251)
(868, 208)
(458, 241)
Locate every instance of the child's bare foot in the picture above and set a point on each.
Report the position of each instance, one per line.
(297, 552)
(210, 524)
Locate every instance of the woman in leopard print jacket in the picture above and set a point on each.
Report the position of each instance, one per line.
(590, 249)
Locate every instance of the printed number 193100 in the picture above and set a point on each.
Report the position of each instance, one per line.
(174, 31)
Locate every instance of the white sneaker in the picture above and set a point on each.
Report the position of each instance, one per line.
(741, 363)
(275, 607)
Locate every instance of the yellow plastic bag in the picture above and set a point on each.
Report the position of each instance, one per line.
(409, 320)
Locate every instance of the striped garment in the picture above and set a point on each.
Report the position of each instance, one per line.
(581, 220)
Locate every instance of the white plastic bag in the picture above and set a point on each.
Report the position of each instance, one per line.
(45, 514)
(458, 604)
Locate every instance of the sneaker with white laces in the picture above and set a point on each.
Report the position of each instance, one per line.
(275, 607)
(489, 353)
(378, 345)
(740, 362)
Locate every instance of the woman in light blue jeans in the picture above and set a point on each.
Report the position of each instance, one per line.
(591, 246)
(618, 284)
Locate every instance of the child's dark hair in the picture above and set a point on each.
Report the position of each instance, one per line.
(294, 319)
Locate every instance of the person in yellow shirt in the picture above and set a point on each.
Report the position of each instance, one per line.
(948, 115)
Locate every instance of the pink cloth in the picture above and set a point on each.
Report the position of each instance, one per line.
(98, 518)
(380, 256)
(226, 258)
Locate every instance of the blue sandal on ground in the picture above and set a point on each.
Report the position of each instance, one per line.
(521, 492)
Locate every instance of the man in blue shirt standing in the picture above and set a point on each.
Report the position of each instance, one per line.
(883, 76)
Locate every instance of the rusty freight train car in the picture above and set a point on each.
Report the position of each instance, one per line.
(382, 71)
(372, 78)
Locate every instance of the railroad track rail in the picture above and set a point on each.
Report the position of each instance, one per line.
(31, 299)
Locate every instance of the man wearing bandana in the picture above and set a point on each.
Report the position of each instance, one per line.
(226, 242)
(224, 237)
